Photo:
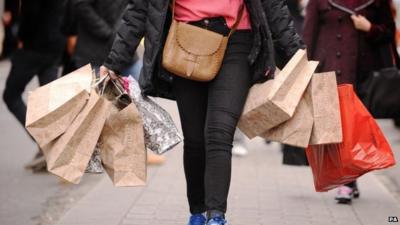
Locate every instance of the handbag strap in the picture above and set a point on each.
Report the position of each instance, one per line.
(235, 25)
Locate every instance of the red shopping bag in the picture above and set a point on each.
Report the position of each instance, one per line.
(364, 146)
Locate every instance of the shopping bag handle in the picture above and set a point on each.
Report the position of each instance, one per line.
(99, 81)
(107, 78)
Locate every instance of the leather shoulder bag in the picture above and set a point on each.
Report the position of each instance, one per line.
(195, 53)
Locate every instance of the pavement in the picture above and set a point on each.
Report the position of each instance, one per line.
(26, 198)
(263, 191)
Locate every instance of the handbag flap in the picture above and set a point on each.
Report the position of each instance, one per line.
(197, 41)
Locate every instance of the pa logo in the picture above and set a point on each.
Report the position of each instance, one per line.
(393, 219)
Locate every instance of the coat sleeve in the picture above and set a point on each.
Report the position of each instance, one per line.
(128, 36)
(282, 27)
(311, 27)
(91, 20)
(383, 28)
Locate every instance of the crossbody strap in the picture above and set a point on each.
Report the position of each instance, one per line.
(235, 25)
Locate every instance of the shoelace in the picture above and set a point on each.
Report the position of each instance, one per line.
(217, 220)
(197, 219)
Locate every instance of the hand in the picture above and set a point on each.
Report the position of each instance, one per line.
(71, 44)
(361, 23)
(104, 71)
(7, 18)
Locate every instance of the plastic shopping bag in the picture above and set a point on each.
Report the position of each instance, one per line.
(160, 132)
(364, 147)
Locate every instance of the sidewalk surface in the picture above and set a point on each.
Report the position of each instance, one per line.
(263, 192)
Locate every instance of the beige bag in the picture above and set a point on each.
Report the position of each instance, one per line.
(68, 155)
(52, 107)
(316, 119)
(327, 128)
(297, 130)
(274, 102)
(122, 148)
(195, 53)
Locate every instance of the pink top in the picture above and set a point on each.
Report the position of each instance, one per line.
(194, 10)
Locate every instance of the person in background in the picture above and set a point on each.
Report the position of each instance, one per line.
(97, 23)
(10, 19)
(349, 44)
(39, 52)
(396, 14)
(70, 30)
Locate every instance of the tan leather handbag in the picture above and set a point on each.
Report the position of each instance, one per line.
(195, 53)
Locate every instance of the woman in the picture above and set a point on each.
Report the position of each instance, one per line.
(347, 36)
(209, 111)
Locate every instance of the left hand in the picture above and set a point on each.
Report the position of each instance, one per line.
(361, 23)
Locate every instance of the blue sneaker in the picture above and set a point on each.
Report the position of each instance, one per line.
(217, 220)
(197, 219)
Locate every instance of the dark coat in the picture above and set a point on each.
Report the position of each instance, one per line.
(70, 22)
(151, 19)
(98, 21)
(40, 26)
(331, 38)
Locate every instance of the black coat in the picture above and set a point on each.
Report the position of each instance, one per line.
(40, 26)
(98, 21)
(151, 19)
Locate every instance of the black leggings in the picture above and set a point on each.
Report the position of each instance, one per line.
(209, 113)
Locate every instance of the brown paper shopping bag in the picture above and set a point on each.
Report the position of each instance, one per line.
(52, 107)
(316, 119)
(274, 102)
(122, 147)
(68, 155)
(123, 151)
(297, 130)
(327, 128)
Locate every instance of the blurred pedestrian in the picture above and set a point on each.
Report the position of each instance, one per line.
(70, 30)
(97, 23)
(345, 36)
(396, 13)
(209, 111)
(40, 46)
(10, 19)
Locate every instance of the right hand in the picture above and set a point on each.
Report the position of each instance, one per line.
(104, 71)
